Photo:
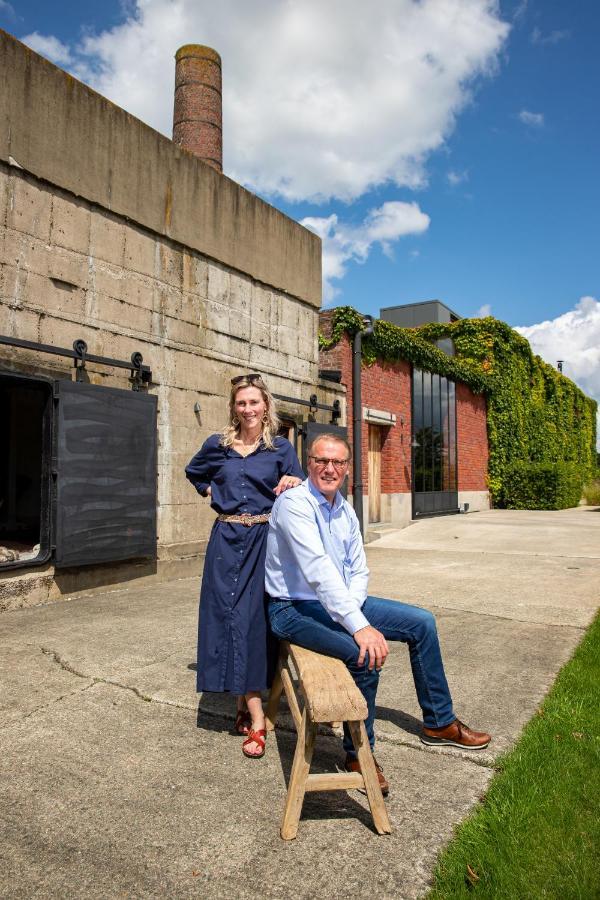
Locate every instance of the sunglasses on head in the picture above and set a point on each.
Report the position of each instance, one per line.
(255, 376)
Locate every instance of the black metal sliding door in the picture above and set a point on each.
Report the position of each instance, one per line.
(434, 457)
(105, 474)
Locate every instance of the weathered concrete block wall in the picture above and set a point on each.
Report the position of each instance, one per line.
(217, 284)
(65, 133)
(69, 270)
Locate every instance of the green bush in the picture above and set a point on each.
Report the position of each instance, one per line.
(543, 485)
(591, 492)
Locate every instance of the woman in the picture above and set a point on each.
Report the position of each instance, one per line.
(242, 470)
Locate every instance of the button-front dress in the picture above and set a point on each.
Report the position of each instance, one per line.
(235, 647)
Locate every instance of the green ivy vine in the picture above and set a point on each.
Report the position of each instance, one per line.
(535, 413)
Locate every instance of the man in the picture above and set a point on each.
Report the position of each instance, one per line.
(316, 578)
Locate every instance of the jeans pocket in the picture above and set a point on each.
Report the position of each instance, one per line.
(278, 617)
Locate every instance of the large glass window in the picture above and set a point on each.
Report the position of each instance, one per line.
(434, 444)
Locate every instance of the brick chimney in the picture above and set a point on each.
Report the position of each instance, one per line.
(197, 116)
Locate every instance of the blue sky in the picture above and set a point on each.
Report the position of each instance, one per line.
(445, 149)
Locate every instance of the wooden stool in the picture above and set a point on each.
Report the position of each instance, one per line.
(330, 695)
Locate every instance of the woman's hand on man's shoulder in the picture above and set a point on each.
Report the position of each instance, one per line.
(285, 483)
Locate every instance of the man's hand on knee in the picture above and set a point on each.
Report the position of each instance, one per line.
(371, 641)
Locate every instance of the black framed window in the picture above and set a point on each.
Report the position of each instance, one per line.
(434, 444)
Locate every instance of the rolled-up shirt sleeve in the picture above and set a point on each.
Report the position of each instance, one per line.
(295, 522)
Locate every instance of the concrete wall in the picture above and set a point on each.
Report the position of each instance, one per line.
(217, 284)
(63, 132)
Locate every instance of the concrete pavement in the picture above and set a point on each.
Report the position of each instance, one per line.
(117, 783)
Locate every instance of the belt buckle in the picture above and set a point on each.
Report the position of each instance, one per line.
(245, 519)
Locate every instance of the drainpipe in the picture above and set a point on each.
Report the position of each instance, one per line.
(357, 483)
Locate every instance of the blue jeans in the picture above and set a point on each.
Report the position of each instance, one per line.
(308, 624)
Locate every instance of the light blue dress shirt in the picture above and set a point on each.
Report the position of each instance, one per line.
(315, 552)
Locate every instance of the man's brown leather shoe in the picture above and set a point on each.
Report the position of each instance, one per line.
(353, 765)
(455, 735)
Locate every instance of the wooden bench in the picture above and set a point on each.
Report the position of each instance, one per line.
(329, 695)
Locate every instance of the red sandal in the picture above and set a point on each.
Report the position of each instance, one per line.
(243, 722)
(255, 737)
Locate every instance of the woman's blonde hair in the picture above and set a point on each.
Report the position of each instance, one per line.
(270, 422)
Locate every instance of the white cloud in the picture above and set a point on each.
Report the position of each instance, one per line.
(520, 11)
(483, 311)
(553, 37)
(7, 10)
(573, 337)
(456, 178)
(345, 243)
(50, 47)
(536, 120)
(321, 99)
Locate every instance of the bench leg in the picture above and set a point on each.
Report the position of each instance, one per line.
(297, 785)
(369, 773)
(276, 691)
(273, 701)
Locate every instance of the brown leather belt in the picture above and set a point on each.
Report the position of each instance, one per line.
(245, 519)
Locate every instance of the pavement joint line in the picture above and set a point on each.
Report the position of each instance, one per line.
(63, 664)
(439, 550)
(97, 679)
(44, 706)
(475, 612)
(94, 680)
(483, 762)
(118, 590)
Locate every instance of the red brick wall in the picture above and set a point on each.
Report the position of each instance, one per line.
(471, 426)
(385, 386)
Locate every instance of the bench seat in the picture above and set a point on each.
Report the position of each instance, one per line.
(327, 693)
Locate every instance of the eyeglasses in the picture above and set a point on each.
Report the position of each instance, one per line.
(255, 376)
(322, 462)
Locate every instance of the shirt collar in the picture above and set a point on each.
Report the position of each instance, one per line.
(323, 501)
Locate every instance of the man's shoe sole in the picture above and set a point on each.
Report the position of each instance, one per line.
(444, 742)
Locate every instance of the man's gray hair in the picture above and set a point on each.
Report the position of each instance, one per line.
(331, 437)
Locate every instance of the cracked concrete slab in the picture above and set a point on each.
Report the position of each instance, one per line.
(109, 796)
(117, 781)
(546, 590)
(560, 533)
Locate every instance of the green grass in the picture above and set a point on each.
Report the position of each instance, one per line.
(537, 832)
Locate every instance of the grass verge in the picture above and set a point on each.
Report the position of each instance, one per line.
(537, 832)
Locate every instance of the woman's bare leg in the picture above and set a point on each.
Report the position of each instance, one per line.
(242, 719)
(255, 708)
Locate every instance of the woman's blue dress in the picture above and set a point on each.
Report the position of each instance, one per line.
(235, 647)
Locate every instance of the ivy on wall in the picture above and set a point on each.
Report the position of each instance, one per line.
(535, 413)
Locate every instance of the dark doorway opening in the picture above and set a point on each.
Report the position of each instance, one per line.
(25, 405)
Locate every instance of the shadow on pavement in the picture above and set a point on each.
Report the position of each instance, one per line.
(402, 720)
